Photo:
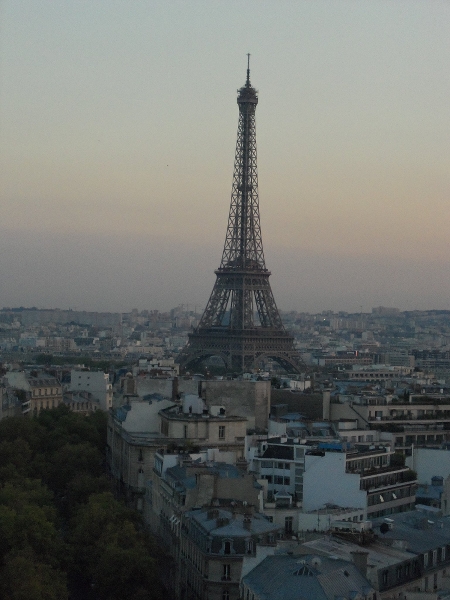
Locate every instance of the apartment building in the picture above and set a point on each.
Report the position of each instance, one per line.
(417, 419)
(362, 477)
(96, 383)
(43, 391)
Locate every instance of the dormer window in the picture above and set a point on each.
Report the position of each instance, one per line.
(304, 571)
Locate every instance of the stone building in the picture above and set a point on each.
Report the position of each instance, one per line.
(216, 544)
(249, 399)
(183, 482)
(418, 420)
(43, 390)
(409, 558)
(95, 383)
(141, 427)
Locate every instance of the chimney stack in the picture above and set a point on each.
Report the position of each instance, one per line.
(326, 405)
(360, 561)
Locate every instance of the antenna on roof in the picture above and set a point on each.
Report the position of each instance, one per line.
(248, 69)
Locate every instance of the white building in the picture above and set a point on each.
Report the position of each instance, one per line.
(312, 477)
(96, 383)
(429, 462)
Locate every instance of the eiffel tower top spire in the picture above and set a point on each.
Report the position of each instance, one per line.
(243, 247)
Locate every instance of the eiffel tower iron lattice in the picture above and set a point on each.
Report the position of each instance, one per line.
(241, 323)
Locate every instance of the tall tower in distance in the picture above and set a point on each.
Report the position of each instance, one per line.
(241, 323)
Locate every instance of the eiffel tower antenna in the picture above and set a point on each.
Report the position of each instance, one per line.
(241, 323)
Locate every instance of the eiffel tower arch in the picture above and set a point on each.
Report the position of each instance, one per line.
(241, 323)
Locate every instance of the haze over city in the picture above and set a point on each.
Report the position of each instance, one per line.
(118, 137)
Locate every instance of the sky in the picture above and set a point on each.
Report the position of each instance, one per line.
(118, 125)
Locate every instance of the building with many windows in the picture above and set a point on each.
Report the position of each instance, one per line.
(43, 391)
(360, 477)
(218, 546)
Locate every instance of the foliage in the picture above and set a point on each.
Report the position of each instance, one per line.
(410, 475)
(62, 533)
(397, 459)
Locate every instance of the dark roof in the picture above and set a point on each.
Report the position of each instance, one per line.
(421, 530)
(281, 451)
(285, 577)
(309, 404)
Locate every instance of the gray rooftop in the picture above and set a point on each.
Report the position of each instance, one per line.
(421, 530)
(285, 577)
(227, 524)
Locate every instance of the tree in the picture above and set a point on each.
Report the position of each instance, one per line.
(23, 578)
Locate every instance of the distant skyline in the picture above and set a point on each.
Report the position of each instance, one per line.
(118, 123)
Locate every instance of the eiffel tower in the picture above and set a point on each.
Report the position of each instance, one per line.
(241, 323)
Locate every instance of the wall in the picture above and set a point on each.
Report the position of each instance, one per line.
(95, 382)
(341, 488)
(250, 399)
(428, 462)
(149, 385)
(345, 411)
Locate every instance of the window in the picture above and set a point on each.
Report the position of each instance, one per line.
(266, 464)
(434, 557)
(221, 432)
(425, 560)
(185, 431)
(227, 548)
(385, 577)
(443, 553)
(225, 595)
(249, 546)
(288, 525)
(226, 572)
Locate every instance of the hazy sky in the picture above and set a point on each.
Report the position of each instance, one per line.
(118, 130)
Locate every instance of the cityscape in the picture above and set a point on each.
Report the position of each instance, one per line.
(239, 447)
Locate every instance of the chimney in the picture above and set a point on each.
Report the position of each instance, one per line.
(360, 561)
(175, 388)
(326, 404)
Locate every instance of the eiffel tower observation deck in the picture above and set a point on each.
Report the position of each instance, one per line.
(241, 323)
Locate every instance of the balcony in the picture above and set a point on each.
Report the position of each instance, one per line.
(373, 481)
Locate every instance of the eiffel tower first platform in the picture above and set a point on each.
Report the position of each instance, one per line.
(241, 323)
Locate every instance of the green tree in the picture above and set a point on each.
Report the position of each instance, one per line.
(25, 578)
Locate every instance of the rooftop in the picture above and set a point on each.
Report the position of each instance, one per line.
(285, 577)
(223, 523)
